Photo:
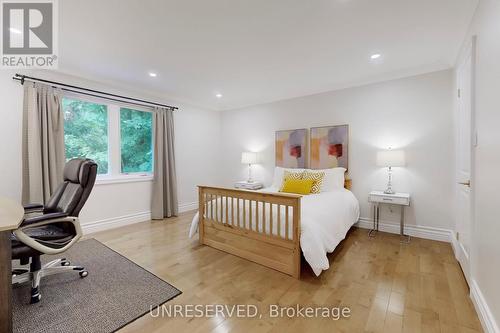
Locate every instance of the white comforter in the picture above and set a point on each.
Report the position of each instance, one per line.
(325, 220)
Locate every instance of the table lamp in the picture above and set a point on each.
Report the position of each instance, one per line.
(249, 158)
(390, 158)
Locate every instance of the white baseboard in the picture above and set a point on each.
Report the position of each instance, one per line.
(420, 231)
(120, 221)
(366, 223)
(115, 222)
(485, 315)
(455, 246)
(186, 207)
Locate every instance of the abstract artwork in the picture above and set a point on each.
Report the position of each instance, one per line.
(329, 147)
(291, 148)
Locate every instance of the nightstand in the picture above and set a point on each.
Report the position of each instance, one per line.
(244, 185)
(398, 199)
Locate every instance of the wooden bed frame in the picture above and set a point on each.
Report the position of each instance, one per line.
(238, 235)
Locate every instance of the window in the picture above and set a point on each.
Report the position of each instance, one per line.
(136, 141)
(86, 132)
(118, 138)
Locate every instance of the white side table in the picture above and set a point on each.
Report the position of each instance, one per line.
(399, 199)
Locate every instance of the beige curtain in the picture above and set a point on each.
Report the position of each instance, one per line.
(164, 202)
(43, 142)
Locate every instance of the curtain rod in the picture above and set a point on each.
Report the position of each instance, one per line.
(93, 93)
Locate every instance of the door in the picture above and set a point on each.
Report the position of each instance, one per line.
(464, 145)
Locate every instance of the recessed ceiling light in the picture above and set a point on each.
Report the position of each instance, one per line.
(375, 56)
(153, 74)
(219, 95)
(16, 31)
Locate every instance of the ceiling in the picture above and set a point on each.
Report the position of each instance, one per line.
(257, 51)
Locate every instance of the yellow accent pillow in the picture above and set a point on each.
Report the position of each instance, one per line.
(297, 186)
(317, 177)
(291, 175)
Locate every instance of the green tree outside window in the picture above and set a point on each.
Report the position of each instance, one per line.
(86, 132)
(136, 141)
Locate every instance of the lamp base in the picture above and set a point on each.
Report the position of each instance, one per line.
(249, 180)
(389, 191)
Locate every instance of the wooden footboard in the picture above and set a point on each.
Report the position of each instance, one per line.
(261, 227)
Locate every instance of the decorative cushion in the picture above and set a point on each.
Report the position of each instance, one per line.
(297, 186)
(279, 173)
(317, 178)
(291, 175)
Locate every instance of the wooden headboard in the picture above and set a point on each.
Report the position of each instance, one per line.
(348, 183)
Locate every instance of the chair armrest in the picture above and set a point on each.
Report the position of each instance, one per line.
(41, 218)
(34, 207)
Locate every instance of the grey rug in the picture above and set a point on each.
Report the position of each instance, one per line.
(116, 292)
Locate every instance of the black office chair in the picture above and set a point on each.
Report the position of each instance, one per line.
(53, 228)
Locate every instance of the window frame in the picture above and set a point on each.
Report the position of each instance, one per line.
(114, 175)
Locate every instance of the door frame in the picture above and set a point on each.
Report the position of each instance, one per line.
(468, 51)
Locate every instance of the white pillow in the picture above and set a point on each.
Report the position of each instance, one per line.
(334, 179)
(279, 172)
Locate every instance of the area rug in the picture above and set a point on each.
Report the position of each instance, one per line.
(115, 293)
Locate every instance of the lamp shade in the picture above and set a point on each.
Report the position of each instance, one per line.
(249, 158)
(391, 158)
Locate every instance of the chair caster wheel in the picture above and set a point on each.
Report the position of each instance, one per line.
(65, 263)
(35, 299)
(83, 274)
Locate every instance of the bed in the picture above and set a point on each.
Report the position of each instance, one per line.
(273, 228)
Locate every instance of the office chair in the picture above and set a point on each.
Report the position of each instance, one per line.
(53, 228)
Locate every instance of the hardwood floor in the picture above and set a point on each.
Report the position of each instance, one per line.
(388, 286)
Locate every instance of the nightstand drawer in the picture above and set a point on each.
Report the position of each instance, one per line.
(390, 199)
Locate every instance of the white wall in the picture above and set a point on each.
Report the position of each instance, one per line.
(414, 114)
(197, 144)
(485, 249)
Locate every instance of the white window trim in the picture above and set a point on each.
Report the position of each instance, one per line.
(114, 175)
(123, 178)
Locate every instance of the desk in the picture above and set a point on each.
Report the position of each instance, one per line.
(11, 216)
